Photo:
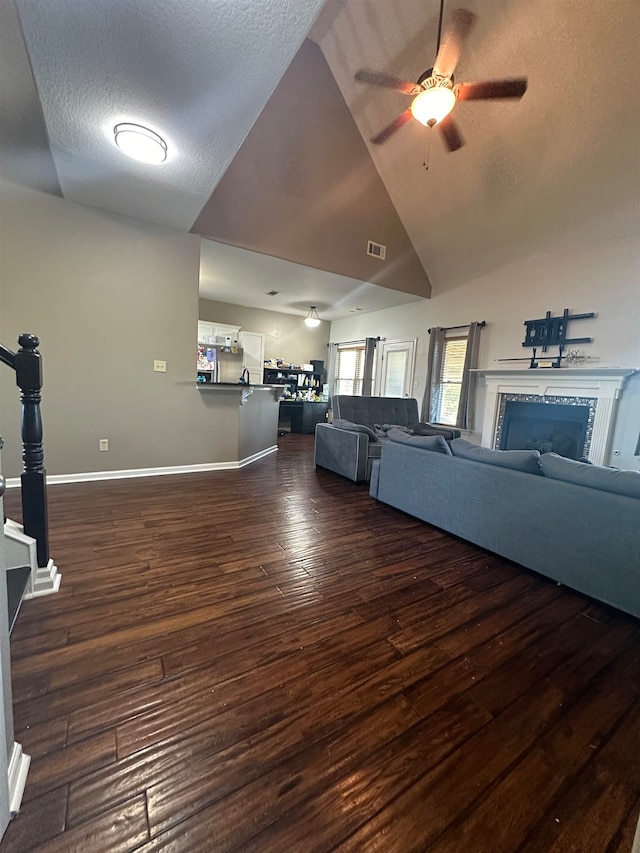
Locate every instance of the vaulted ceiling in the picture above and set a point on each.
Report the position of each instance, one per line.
(269, 135)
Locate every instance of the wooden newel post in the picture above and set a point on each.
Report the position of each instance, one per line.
(28, 366)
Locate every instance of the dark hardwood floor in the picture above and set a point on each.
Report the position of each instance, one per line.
(269, 660)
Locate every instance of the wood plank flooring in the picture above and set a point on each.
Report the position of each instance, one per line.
(269, 660)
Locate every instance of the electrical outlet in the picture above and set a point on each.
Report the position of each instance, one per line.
(160, 366)
(104, 444)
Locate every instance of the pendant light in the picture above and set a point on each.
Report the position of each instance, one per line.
(312, 320)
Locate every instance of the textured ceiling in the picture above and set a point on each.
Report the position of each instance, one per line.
(230, 274)
(307, 190)
(561, 165)
(196, 71)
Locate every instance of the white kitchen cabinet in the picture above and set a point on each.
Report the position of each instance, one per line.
(252, 344)
(207, 330)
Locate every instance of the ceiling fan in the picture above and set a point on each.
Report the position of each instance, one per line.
(434, 93)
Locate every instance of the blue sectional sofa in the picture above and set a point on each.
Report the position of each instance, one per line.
(576, 523)
(354, 438)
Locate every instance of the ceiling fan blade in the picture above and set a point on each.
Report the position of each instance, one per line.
(452, 136)
(387, 81)
(490, 89)
(451, 44)
(390, 129)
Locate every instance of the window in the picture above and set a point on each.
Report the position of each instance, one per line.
(349, 369)
(449, 396)
(450, 379)
(352, 367)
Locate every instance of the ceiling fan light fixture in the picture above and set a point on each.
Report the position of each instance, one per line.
(312, 320)
(139, 142)
(432, 105)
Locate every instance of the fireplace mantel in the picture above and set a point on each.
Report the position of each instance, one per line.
(604, 384)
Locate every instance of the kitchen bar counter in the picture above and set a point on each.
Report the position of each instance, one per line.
(246, 415)
(246, 389)
(234, 385)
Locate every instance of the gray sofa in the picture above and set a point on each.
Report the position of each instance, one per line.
(350, 443)
(576, 523)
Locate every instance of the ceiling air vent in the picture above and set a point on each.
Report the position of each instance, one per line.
(376, 250)
(272, 292)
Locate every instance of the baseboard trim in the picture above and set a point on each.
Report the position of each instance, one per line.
(17, 777)
(90, 476)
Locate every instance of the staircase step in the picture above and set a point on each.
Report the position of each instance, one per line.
(16, 582)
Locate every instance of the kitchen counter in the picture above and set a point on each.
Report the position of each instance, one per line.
(234, 385)
(246, 415)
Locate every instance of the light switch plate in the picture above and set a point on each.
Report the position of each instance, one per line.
(160, 366)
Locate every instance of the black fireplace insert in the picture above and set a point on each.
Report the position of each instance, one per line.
(545, 426)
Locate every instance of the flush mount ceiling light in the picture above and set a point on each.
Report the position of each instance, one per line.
(139, 142)
(312, 320)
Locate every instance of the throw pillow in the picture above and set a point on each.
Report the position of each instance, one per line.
(435, 443)
(519, 460)
(593, 476)
(349, 425)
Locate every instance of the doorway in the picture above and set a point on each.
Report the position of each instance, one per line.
(394, 376)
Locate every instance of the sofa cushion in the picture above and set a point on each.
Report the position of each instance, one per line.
(341, 423)
(430, 429)
(376, 410)
(593, 476)
(519, 460)
(427, 442)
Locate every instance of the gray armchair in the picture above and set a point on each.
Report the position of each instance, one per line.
(349, 444)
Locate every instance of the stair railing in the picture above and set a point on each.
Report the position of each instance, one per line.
(27, 363)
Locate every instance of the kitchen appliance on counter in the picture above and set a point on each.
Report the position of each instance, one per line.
(220, 363)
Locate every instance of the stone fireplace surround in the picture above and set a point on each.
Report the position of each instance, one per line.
(602, 385)
(529, 416)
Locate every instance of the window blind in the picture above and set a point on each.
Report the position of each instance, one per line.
(349, 369)
(450, 379)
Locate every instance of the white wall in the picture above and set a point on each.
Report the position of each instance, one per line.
(602, 277)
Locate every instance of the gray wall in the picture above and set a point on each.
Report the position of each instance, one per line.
(286, 335)
(107, 295)
(258, 423)
(303, 187)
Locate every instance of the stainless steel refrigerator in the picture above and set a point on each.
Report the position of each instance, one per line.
(220, 363)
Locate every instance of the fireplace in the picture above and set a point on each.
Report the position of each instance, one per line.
(562, 425)
(595, 388)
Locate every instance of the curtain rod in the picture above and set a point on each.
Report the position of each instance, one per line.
(345, 343)
(481, 325)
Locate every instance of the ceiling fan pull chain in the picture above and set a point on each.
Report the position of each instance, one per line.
(425, 162)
